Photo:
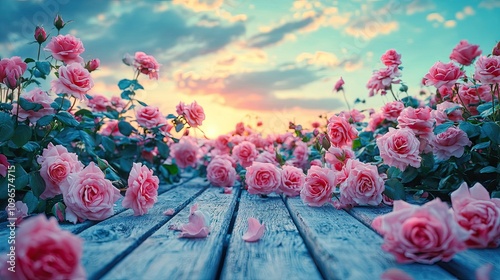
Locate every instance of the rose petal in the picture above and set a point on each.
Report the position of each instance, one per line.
(479, 192)
(395, 274)
(169, 212)
(483, 272)
(255, 230)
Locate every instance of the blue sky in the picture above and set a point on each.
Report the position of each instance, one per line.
(245, 60)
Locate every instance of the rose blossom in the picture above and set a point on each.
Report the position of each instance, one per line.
(352, 116)
(146, 64)
(266, 156)
(292, 180)
(185, 153)
(318, 187)
(222, 143)
(11, 69)
(443, 74)
(194, 114)
(399, 148)
(40, 34)
(488, 69)
(337, 157)
(496, 50)
(93, 64)
(56, 165)
(99, 103)
(149, 117)
(62, 252)
(441, 116)
(392, 110)
(38, 96)
(66, 48)
(362, 186)
(262, 178)
(450, 143)
(74, 80)
(117, 102)
(391, 58)
(142, 191)
(110, 128)
(464, 53)
(339, 85)
(340, 131)
(476, 212)
(4, 165)
(19, 212)
(419, 120)
(424, 234)
(382, 79)
(446, 93)
(88, 195)
(245, 152)
(472, 95)
(375, 121)
(221, 173)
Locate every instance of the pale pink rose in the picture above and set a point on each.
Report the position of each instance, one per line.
(465, 53)
(362, 186)
(4, 165)
(337, 157)
(221, 173)
(222, 143)
(179, 109)
(479, 214)
(292, 180)
(441, 116)
(38, 96)
(186, 153)
(240, 128)
(262, 178)
(391, 58)
(142, 191)
(117, 102)
(446, 93)
(61, 257)
(255, 230)
(399, 148)
(18, 212)
(66, 48)
(375, 121)
(318, 187)
(424, 234)
(198, 225)
(382, 79)
(73, 80)
(339, 85)
(471, 96)
(110, 128)
(443, 74)
(146, 64)
(99, 103)
(149, 117)
(194, 114)
(316, 162)
(301, 153)
(245, 152)
(488, 69)
(268, 157)
(450, 143)
(93, 64)
(353, 116)
(395, 274)
(340, 131)
(88, 195)
(11, 69)
(419, 120)
(392, 110)
(56, 165)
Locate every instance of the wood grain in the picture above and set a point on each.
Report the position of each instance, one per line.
(344, 248)
(279, 254)
(165, 256)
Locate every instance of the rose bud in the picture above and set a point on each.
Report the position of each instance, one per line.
(496, 49)
(59, 22)
(40, 34)
(93, 64)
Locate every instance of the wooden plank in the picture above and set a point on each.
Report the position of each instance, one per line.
(344, 248)
(165, 256)
(107, 242)
(280, 254)
(463, 265)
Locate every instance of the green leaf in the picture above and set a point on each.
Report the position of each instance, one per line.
(179, 127)
(31, 201)
(21, 177)
(124, 84)
(488, 169)
(172, 169)
(108, 144)
(125, 128)
(142, 103)
(28, 60)
(485, 107)
(37, 183)
(43, 67)
(61, 103)
(451, 109)
(394, 189)
(29, 106)
(31, 146)
(470, 129)
(442, 127)
(171, 116)
(84, 112)
(45, 120)
(59, 211)
(67, 119)
(163, 149)
(409, 174)
(393, 172)
(495, 194)
(22, 134)
(6, 126)
(492, 130)
(87, 139)
(6, 106)
(482, 145)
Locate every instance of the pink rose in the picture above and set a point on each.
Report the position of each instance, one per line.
(11, 69)
(362, 186)
(88, 195)
(240, 128)
(392, 110)
(424, 234)
(110, 128)
(337, 157)
(194, 114)
(399, 148)
(149, 117)
(40, 35)
(496, 50)
(301, 153)
(142, 191)
(245, 152)
(19, 211)
(222, 143)
(318, 187)
(352, 116)
(419, 120)
(56, 165)
(185, 153)
(99, 103)
(382, 79)
(118, 103)
(471, 96)
(340, 131)
(375, 121)
(221, 173)
(391, 58)
(450, 143)
(266, 156)
(66, 48)
(73, 80)
(292, 180)
(93, 64)
(4, 165)
(479, 214)
(146, 64)
(464, 53)
(339, 85)
(262, 178)
(441, 116)
(38, 96)
(442, 74)
(446, 93)
(488, 69)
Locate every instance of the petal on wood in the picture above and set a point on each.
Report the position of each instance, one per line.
(255, 230)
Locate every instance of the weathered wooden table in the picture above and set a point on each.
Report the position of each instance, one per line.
(300, 242)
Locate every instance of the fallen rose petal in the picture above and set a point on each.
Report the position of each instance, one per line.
(197, 227)
(395, 274)
(228, 190)
(255, 230)
(483, 272)
(169, 212)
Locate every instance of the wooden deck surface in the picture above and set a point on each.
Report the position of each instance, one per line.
(300, 242)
